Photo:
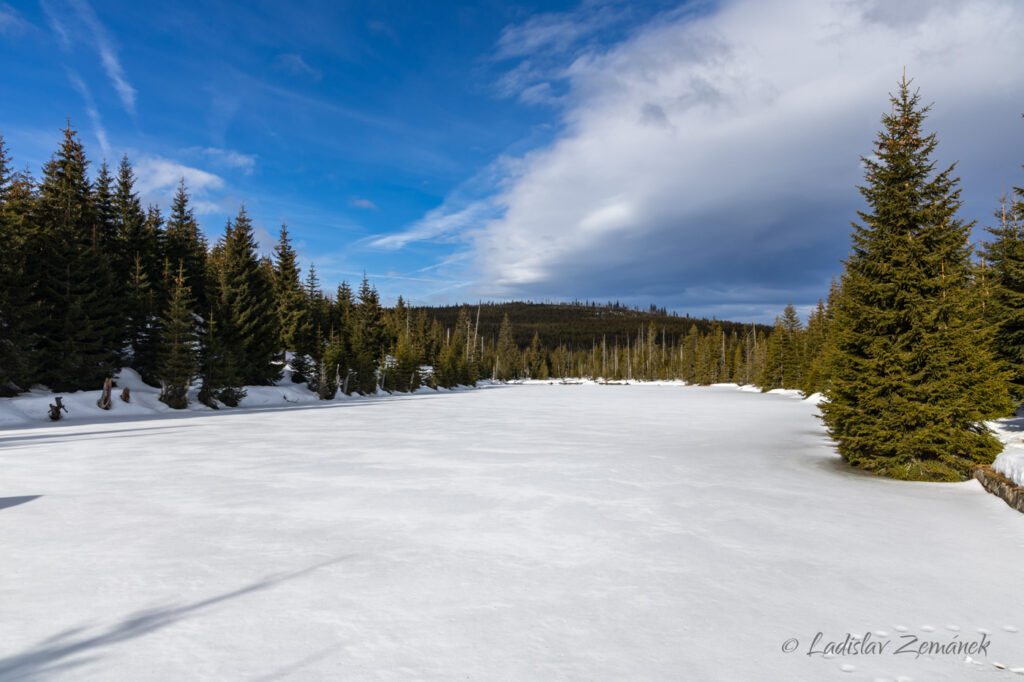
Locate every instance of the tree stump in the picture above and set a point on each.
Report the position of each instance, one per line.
(104, 400)
(126, 395)
(55, 409)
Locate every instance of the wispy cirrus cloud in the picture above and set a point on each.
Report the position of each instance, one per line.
(556, 32)
(108, 54)
(359, 202)
(295, 65)
(56, 25)
(446, 222)
(546, 45)
(11, 21)
(91, 111)
(101, 41)
(228, 158)
(470, 205)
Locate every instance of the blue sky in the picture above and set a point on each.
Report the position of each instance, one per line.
(699, 155)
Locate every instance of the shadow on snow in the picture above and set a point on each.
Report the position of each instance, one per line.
(74, 647)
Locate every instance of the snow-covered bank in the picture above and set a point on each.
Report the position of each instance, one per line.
(1010, 462)
(32, 407)
(514, 533)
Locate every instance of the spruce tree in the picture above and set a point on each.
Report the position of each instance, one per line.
(911, 374)
(319, 311)
(784, 354)
(178, 345)
(293, 323)
(367, 338)
(774, 371)
(78, 323)
(247, 318)
(105, 221)
(219, 353)
(507, 360)
(137, 233)
(183, 242)
(16, 200)
(221, 379)
(1001, 279)
(813, 375)
(141, 321)
(536, 362)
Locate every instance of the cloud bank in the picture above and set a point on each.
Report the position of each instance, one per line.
(709, 160)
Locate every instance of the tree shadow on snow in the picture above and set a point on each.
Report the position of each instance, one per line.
(6, 502)
(61, 432)
(1014, 424)
(74, 648)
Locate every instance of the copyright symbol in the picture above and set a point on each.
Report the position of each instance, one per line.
(790, 645)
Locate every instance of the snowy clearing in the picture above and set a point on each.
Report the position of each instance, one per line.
(526, 532)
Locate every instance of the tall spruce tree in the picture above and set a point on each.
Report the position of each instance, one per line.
(536, 362)
(813, 375)
(183, 243)
(507, 359)
(247, 317)
(293, 325)
(220, 355)
(912, 377)
(179, 345)
(14, 310)
(1001, 279)
(784, 354)
(79, 324)
(137, 234)
(136, 267)
(367, 338)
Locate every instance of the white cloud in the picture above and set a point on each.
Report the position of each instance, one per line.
(358, 202)
(722, 150)
(157, 180)
(108, 54)
(229, 158)
(555, 32)
(439, 223)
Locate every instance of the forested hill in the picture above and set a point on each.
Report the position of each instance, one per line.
(579, 324)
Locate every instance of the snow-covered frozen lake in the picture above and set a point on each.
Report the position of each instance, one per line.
(511, 533)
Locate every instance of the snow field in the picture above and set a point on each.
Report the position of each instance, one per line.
(529, 532)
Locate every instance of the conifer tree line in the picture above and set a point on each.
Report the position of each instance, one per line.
(90, 282)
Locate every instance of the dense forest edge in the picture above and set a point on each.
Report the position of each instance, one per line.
(918, 342)
(92, 282)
